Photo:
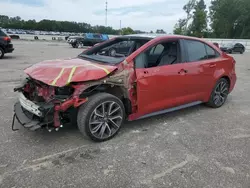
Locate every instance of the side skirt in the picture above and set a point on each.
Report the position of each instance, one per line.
(170, 109)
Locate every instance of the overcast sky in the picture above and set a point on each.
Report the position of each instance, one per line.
(143, 15)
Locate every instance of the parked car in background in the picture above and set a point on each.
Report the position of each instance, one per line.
(157, 74)
(216, 44)
(88, 39)
(233, 47)
(5, 44)
(119, 48)
(72, 39)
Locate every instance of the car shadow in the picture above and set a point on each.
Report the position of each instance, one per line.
(9, 57)
(142, 124)
(170, 116)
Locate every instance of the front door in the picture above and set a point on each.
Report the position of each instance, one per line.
(161, 83)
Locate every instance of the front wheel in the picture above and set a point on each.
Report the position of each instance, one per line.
(219, 94)
(101, 117)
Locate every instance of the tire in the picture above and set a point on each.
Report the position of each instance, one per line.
(96, 125)
(242, 51)
(112, 51)
(220, 90)
(1, 53)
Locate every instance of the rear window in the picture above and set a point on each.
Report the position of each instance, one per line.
(2, 34)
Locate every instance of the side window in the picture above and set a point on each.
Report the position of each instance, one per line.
(196, 50)
(159, 55)
(159, 49)
(211, 53)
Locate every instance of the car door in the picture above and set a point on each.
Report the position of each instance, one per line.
(201, 65)
(160, 87)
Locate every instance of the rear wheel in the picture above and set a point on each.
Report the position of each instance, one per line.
(1, 53)
(219, 94)
(101, 117)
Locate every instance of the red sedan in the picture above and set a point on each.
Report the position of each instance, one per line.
(99, 90)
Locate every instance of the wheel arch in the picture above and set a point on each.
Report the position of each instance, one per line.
(2, 46)
(115, 90)
(227, 78)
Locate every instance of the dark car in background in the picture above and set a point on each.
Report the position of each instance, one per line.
(5, 44)
(216, 44)
(88, 39)
(118, 48)
(233, 47)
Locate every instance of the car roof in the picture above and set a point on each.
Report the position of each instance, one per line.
(158, 36)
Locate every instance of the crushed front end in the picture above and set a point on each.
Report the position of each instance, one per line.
(44, 106)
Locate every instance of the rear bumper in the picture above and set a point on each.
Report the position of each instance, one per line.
(9, 50)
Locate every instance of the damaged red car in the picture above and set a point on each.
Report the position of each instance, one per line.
(99, 90)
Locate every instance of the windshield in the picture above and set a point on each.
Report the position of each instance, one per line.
(113, 51)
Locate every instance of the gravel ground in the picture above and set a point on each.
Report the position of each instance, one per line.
(194, 147)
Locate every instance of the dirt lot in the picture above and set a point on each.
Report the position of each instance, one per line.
(195, 147)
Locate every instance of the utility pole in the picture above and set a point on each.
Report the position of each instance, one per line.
(106, 16)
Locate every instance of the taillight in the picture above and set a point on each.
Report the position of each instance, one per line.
(6, 39)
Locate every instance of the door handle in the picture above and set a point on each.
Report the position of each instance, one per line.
(182, 71)
(212, 65)
(145, 72)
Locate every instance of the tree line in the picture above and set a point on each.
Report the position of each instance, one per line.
(58, 26)
(223, 19)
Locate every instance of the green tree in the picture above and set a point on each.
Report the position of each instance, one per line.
(180, 27)
(160, 31)
(199, 23)
(230, 18)
(188, 8)
(127, 31)
(53, 25)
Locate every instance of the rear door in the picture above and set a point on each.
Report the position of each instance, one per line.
(201, 65)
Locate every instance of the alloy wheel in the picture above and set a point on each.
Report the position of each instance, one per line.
(220, 93)
(106, 120)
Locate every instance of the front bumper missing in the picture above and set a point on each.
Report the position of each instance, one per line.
(30, 106)
(25, 118)
(30, 115)
(51, 115)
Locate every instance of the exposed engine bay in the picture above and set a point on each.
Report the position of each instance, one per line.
(45, 105)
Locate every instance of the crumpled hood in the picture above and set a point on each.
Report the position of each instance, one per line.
(63, 71)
